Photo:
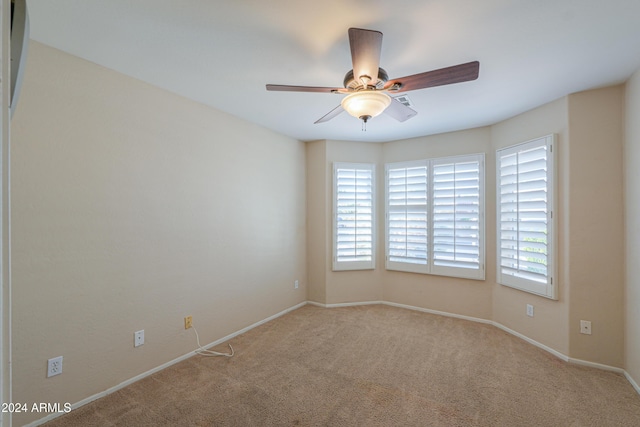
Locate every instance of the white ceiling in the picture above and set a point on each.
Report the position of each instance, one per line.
(222, 53)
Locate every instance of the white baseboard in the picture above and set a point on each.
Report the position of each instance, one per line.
(317, 304)
(161, 367)
(439, 313)
(596, 365)
(344, 304)
(349, 304)
(254, 325)
(546, 348)
(556, 353)
(485, 321)
(632, 381)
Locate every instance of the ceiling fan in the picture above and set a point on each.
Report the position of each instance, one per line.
(368, 86)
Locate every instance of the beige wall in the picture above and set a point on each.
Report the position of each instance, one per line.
(353, 286)
(549, 324)
(589, 209)
(327, 286)
(318, 237)
(588, 127)
(459, 296)
(632, 226)
(131, 208)
(596, 248)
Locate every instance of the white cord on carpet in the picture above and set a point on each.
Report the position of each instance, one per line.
(209, 353)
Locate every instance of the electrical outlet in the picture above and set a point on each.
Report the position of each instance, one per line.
(188, 322)
(585, 327)
(529, 310)
(295, 284)
(138, 338)
(54, 366)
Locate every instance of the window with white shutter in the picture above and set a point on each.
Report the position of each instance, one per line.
(525, 240)
(458, 216)
(435, 216)
(407, 225)
(353, 219)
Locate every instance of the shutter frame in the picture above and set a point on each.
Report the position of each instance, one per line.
(401, 261)
(523, 261)
(354, 207)
(464, 175)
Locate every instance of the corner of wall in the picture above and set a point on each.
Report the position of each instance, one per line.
(632, 228)
(596, 248)
(316, 153)
(549, 326)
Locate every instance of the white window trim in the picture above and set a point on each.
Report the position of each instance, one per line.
(550, 288)
(354, 265)
(430, 268)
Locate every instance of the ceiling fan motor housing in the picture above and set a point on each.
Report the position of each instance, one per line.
(351, 83)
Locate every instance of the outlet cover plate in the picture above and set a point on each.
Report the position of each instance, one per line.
(585, 327)
(138, 338)
(54, 366)
(296, 284)
(529, 310)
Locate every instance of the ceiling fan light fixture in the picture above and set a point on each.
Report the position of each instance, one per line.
(366, 103)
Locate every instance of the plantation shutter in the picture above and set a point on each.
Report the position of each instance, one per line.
(353, 216)
(524, 197)
(407, 226)
(457, 216)
(435, 216)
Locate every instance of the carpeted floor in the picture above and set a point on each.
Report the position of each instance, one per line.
(370, 366)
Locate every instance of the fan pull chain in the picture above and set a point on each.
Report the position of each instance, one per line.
(364, 119)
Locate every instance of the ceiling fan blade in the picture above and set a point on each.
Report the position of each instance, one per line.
(330, 115)
(365, 52)
(443, 76)
(399, 111)
(287, 88)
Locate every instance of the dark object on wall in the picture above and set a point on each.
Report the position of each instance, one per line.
(19, 41)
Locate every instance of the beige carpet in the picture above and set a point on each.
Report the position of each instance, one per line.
(370, 366)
